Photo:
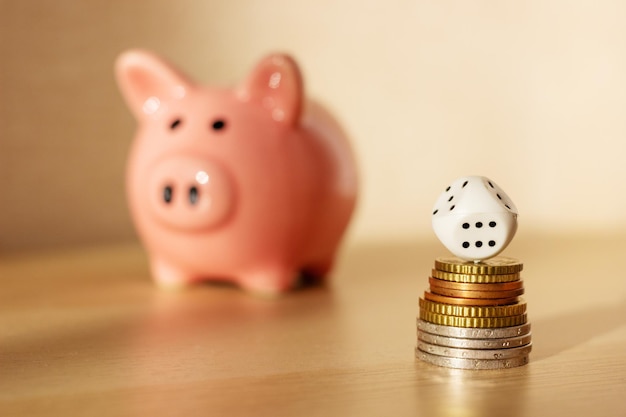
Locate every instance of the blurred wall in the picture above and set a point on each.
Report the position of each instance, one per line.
(529, 93)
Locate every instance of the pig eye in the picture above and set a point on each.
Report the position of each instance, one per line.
(176, 123)
(218, 124)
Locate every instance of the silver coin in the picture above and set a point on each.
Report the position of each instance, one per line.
(475, 353)
(460, 363)
(502, 343)
(472, 332)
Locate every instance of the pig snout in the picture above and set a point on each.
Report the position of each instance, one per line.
(190, 193)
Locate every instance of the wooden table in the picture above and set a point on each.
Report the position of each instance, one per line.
(85, 333)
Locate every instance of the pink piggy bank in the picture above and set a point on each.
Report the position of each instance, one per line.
(239, 184)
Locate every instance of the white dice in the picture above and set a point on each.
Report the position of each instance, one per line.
(474, 218)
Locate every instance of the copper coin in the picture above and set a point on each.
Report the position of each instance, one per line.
(476, 294)
(503, 286)
(470, 301)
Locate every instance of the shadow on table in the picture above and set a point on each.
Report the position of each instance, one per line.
(557, 334)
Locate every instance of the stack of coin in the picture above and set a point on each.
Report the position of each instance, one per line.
(473, 316)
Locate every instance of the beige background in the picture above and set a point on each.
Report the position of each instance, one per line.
(529, 93)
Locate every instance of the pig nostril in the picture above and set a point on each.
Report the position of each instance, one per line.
(175, 124)
(218, 124)
(167, 194)
(193, 195)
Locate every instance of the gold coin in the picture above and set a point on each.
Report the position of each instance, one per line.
(501, 286)
(472, 311)
(475, 278)
(475, 294)
(493, 266)
(470, 301)
(480, 322)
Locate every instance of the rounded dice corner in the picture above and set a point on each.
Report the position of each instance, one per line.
(481, 222)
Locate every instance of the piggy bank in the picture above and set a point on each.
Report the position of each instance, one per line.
(253, 184)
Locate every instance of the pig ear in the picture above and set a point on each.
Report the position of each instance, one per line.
(146, 81)
(276, 84)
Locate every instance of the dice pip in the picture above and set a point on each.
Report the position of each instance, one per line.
(474, 218)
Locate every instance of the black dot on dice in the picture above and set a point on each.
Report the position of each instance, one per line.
(465, 225)
(451, 197)
(464, 184)
(507, 206)
(499, 196)
(479, 243)
(435, 212)
(448, 189)
(490, 184)
(466, 245)
(492, 243)
(479, 224)
(452, 208)
(492, 224)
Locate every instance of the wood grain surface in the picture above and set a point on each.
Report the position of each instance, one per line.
(84, 332)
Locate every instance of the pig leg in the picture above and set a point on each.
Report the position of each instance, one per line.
(319, 271)
(168, 276)
(269, 280)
